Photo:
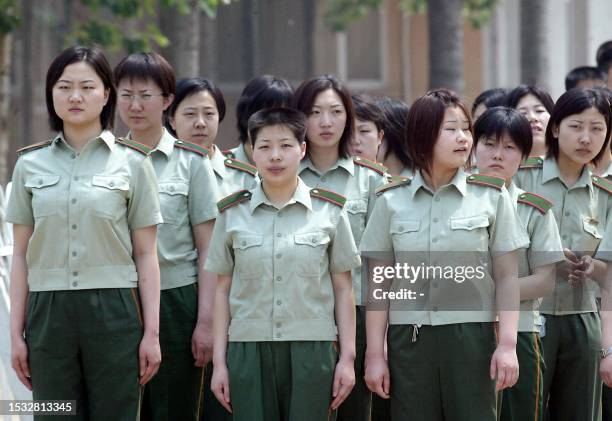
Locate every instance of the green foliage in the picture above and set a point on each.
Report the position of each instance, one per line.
(341, 13)
(9, 16)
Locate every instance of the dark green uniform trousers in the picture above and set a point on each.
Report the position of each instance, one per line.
(83, 346)
(177, 390)
(572, 385)
(213, 410)
(606, 403)
(358, 405)
(523, 401)
(442, 374)
(281, 381)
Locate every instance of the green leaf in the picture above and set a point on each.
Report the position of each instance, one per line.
(342, 13)
(9, 16)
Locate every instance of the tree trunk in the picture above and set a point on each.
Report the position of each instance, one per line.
(183, 31)
(533, 41)
(6, 44)
(445, 23)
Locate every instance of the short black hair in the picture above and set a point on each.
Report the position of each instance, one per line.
(145, 66)
(264, 91)
(98, 62)
(395, 116)
(579, 74)
(516, 94)
(573, 102)
(497, 121)
(189, 86)
(604, 56)
(490, 98)
(367, 110)
(306, 95)
(292, 119)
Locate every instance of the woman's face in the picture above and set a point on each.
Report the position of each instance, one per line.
(498, 156)
(533, 109)
(452, 148)
(79, 95)
(141, 104)
(196, 119)
(326, 121)
(277, 155)
(581, 136)
(366, 140)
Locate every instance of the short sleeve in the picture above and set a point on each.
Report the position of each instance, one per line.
(19, 209)
(343, 254)
(203, 192)
(220, 258)
(506, 233)
(377, 235)
(143, 206)
(604, 251)
(545, 247)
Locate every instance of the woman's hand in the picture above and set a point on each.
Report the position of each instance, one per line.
(344, 380)
(202, 343)
(19, 360)
(149, 357)
(377, 376)
(504, 367)
(219, 384)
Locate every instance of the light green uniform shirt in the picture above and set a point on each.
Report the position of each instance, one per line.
(188, 196)
(280, 261)
(359, 185)
(83, 206)
(460, 226)
(239, 153)
(581, 212)
(544, 249)
(229, 179)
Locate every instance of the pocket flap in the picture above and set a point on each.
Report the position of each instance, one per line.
(312, 239)
(174, 188)
(40, 181)
(591, 226)
(406, 225)
(469, 222)
(245, 241)
(356, 206)
(110, 182)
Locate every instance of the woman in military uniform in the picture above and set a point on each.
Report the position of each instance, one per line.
(283, 252)
(461, 231)
(188, 196)
(369, 132)
(84, 207)
(194, 116)
(328, 165)
(576, 137)
(392, 152)
(502, 139)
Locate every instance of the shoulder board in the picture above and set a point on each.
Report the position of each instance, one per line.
(486, 180)
(602, 183)
(192, 147)
(393, 183)
(394, 178)
(540, 203)
(233, 199)
(228, 153)
(132, 144)
(532, 162)
(33, 147)
(328, 196)
(239, 165)
(379, 168)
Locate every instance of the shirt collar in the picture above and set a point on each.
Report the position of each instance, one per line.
(345, 163)
(106, 136)
(300, 195)
(550, 171)
(217, 161)
(166, 143)
(458, 181)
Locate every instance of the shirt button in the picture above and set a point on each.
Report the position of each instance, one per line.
(39, 182)
(564, 237)
(76, 178)
(278, 335)
(75, 273)
(112, 184)
(73, 156)
(74, 253)
(278, 234)
(434, 284)
(434, 240)
(278, 302)
(171, 188)
(436, 219)
(278, 255)
(324, 179)
(243, 243)
(74, 226)
(74, 284)
(73, 201)
(313, 240)
(279, 278)
(435, 308)
(437, 199)
(280, 215)
(567, 214)
(278, 324)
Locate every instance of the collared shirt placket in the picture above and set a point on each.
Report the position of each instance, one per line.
(279, 275)
(74, 220)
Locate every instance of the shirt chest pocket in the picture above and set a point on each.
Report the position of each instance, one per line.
(45, 194)
(248, 255)
(469, 233)
(592, 235)
(357, 210)
(109, 196)
(404, 234)
(310, 249)
(173, 198)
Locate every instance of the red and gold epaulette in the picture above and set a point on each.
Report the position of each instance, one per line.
(228, 153)
(379, 168)
(535, 200)
(233, 199)
(394, 182)
(532, 162)
(193, 147)
(239, 165)
(132, 144)
(328, 196)
(602, 182)
(33, 147)
(486, 180)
